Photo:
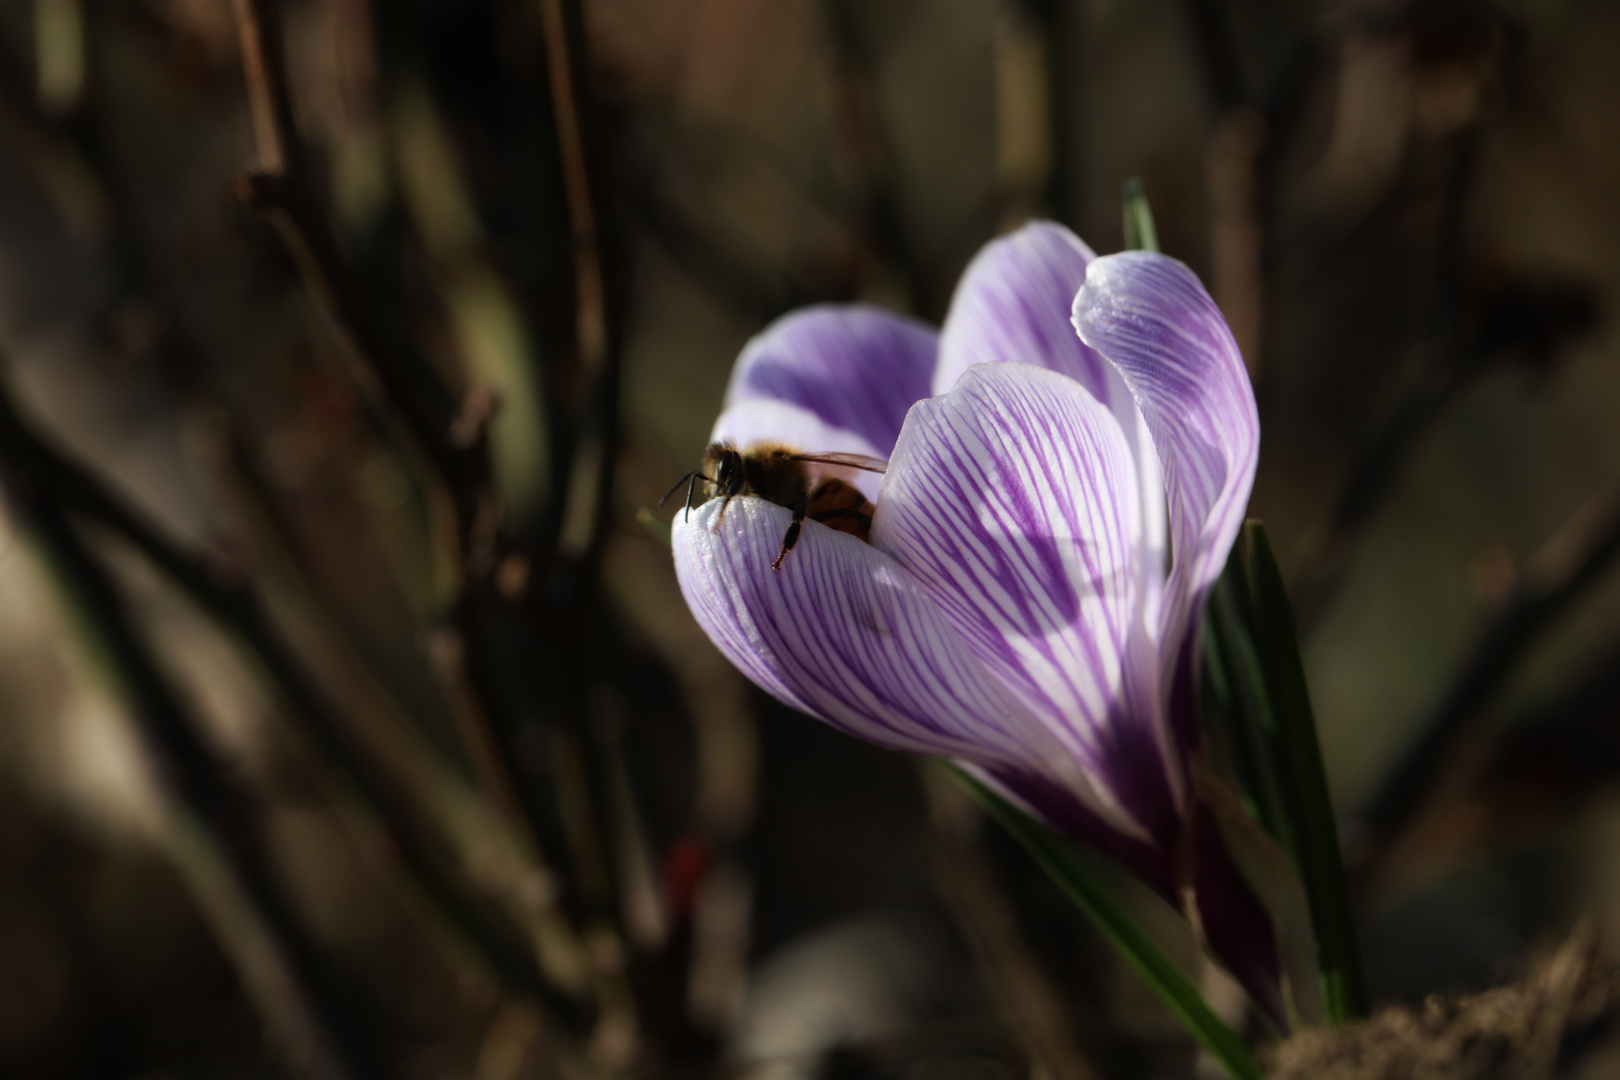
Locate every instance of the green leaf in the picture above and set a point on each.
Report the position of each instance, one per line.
(1140, 235)
(1246, 715)
(1299, 757)
(1093, 896)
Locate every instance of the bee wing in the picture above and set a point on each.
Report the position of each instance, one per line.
(853, 461)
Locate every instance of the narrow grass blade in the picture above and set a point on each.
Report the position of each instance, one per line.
(1140, 235)
(1092, 895)
(654, 524)
(1247, 717)
(1315, 829)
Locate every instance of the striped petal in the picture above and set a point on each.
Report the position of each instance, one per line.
(1149, 315)
(1235, 925)
(1013, 503)
(1013, 305)
(855, 368)
(845, 634)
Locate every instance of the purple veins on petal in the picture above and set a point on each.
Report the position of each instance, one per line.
(856, 369)
(1150, 316)
(1235, 925)
(1013, 609)
(1013, 306)
(1012, 500)
(843, 633)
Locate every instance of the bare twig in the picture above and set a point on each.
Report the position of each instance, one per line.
(277, 962)
(598, 288)
(867, 135)
(263, 58)
(219, 590)
(452, 436)
(560, 27)
(229, 600)
(1525, 323)
(964, 881)
(520, 611)
(1447, 369)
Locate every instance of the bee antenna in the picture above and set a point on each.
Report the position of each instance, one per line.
(690, 480)
(677, 486)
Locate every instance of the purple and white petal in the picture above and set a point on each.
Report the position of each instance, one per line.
(1012, 306)
(1235, 925)
(1150, 316)
(1012, 501)
(1150, 859)
(1012, 609)
(843, 633)
(856, 368)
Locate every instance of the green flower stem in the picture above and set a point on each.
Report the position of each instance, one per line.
(1093, 896)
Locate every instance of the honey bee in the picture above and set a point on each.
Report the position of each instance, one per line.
(779, 473)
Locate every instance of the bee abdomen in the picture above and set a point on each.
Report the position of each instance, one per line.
(841, 506)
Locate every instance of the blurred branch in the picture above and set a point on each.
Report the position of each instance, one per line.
(212, 585)
(275, 960)
(233, 605)
(1060, 25)
(1526, 322)
(598, 278)
(1555, 580)
(453, 437)
(1217, 53)
(564, 609)
(1446, 369)
(1372, 479)
(1477, 318)
(264, 60)
(861, 114)
(523, 614)
(759, 292)
(451, 434)
(62, 161)
(964, 880)
(281, 188)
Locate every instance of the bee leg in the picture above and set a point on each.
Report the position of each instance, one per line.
(791, 537)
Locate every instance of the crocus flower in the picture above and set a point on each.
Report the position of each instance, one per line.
(1069, 460)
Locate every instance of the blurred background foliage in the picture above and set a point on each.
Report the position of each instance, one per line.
(350, 723)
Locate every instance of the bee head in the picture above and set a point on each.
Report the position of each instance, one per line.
(728, 475)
